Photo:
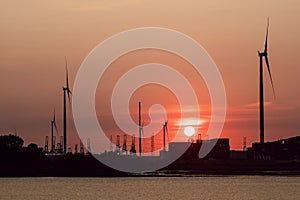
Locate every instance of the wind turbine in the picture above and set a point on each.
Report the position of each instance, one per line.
(66, 91)
(264, 54)
(53, 125)
(165, 127)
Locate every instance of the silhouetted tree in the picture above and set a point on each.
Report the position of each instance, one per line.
(32, 147)
(11, 142)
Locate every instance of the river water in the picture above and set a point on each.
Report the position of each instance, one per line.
(200, 187)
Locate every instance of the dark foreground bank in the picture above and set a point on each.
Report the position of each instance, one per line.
(86, 165)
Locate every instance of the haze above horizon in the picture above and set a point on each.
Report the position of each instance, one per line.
(37, 35)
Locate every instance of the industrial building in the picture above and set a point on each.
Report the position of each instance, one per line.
(284, 149)
(220, 151)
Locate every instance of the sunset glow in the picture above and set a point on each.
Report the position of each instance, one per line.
(37, 35)
(191, 122)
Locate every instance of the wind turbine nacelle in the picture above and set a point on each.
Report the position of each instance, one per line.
(262, 53)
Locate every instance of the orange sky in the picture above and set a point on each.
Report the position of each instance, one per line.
(36, 35)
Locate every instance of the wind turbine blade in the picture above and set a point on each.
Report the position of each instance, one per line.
(166, 128)
(269, 70)
(266, 42)
(54, 123)
(167, 131)
(69, 93)
(142, 129)
(54, 115)
(67, 76)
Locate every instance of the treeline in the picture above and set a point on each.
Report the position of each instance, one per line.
(14, 154)
(17, 160)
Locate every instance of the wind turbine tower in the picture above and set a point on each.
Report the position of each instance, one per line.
(165, 127)
(140, 128)
(66, 92)
(263, 54)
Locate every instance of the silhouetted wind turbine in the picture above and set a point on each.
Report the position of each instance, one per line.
(66, 91)
(261, 86)
(53, 125)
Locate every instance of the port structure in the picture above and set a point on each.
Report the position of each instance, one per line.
(132, 149)
(124, 149)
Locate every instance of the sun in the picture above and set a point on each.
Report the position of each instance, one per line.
(189, 131)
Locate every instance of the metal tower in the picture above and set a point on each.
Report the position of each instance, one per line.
(46, 144)
(88, 141)
(81, 150)
(152, 145)
(132, 150)
(118, 146)
(124, 149)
